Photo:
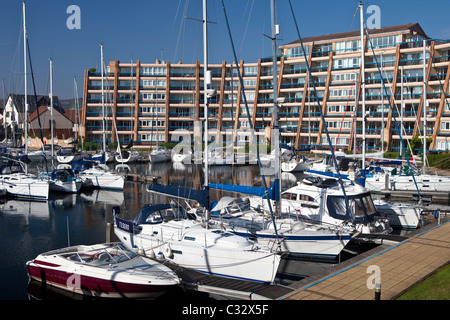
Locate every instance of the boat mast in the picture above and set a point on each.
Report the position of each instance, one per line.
(363, 83)
(103, 100)
(51, 106)
(25, 73)
(275, 129)
(424, 107)
(205, 102)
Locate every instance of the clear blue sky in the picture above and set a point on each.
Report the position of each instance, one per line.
(151, 29)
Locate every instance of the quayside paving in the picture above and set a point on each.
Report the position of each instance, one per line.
(397, 268)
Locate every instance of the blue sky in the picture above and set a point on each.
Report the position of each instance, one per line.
(153, 29)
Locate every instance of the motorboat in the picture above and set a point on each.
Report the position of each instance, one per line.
(159, 155)
(103, 270)
(15, 182)
(68, 154)
(43, 154)
(98, 175)
(126, 156)
(293, 234)
(324, 202)
(167, 232)
(400, 215)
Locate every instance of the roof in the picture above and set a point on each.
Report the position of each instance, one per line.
(19, 102)
(69, 114)
(415, 27)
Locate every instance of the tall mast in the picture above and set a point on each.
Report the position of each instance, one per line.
(25, 73)
(51, 106)
(275, 129)
(424, 106)
(103, 100)
(363, 82)
(206, 78)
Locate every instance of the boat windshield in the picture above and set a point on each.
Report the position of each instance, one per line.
(116, 253)
(360, 207)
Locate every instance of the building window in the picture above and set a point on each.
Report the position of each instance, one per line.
(297, 51)
(445, 125)
(346, 63)
(443, 145)
(384, 42)
(348, 46)
(153, 96)
(153, 71)
(339, 124)
(345, 77)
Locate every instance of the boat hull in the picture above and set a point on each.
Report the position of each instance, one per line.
(55, 276)
(104, 180)
(159, 157)
(237, 264)
(24, 187)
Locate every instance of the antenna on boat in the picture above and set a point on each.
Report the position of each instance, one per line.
(68, 233)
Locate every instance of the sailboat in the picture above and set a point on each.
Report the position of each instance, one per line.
(15, 180)
(96, 173)
(293, 234)
(166, 230)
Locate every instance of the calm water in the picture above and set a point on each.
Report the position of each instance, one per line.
(29, 228)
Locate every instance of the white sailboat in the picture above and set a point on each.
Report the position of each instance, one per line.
(15, 180)
(294, 235)
(164, 229)
(96, 173)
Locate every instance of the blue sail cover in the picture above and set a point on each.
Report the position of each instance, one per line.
(257, 191)
(201, 196)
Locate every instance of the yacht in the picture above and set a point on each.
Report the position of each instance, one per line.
(166, 231)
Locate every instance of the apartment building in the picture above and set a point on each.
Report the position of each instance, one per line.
(150, 102)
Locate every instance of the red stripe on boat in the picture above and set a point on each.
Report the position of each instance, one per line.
(46, 263)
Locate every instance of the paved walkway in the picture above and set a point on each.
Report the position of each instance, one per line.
(399, 267)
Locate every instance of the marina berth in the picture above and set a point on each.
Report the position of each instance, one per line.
(102, 270)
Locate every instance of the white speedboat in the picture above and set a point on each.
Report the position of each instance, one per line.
(126, 156)
(164, 231)
(102, 270)
(159, 155)
(14, 182)
(68, 154)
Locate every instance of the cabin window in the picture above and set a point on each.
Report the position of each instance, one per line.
(289, 196)
(189, 238)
